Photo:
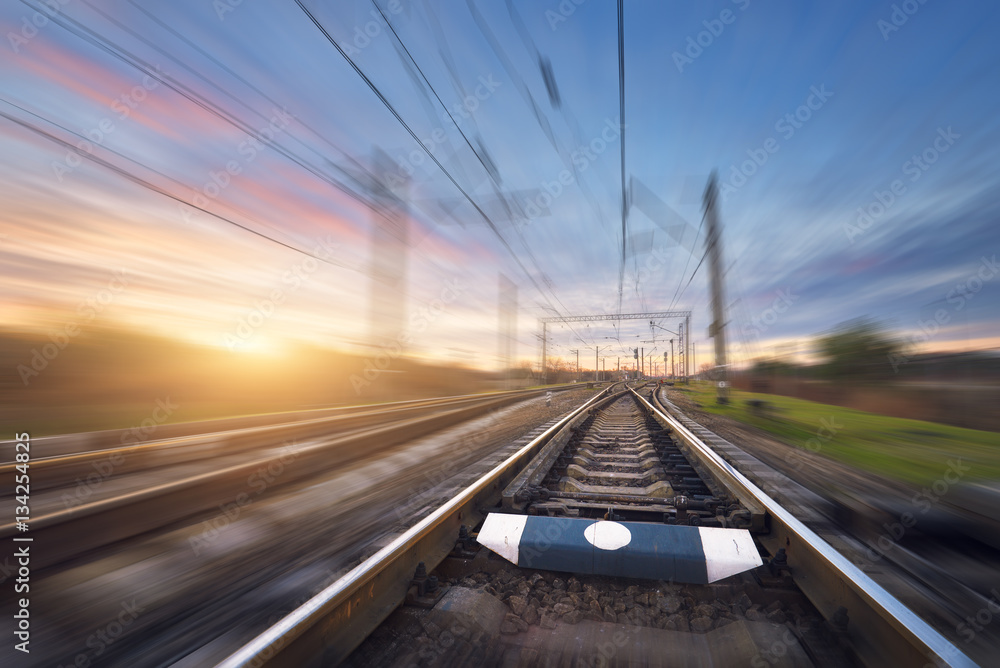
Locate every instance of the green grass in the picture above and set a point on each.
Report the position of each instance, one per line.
(909, 450)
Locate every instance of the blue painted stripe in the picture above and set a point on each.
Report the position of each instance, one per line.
(656, 551)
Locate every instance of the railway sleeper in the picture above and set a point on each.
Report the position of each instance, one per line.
(601, 464)
(659, 489)
(646, 477)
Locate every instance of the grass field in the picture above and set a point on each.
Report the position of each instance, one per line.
(910, 450)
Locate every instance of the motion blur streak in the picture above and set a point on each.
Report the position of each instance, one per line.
(224, 218)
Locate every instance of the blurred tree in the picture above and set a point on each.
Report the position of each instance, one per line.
(774, 367)
(559, 371)
(858, 350)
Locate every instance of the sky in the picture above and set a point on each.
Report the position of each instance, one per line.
(234, 174)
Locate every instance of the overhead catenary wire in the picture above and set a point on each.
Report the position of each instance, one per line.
(146, 184)
(621, 116)
(525, 93)
(228, 70)
(434, 158)
(490, 172)
(90, 36)
(433, 91)
(494, 183)
(678, 293)
(571, 122)
(227, 114)
(523, 90)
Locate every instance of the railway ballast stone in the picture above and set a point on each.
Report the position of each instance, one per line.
(669, 604)
(701, 624)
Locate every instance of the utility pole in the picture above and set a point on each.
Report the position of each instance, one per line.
(507, 317)
(690, 355)
(577, 363)
(671, 357)
(681, 352)
(597, 352)
(642, 362)
(665, 364)
(389, 243)
(717, 330)
(545, 340)
(684, 348)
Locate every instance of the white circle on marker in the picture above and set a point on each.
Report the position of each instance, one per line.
(606, 535)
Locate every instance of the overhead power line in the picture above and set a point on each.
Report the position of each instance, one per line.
(144, 183)
(388, 105)
(621, 116)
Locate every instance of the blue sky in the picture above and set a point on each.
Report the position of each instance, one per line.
(708, 85)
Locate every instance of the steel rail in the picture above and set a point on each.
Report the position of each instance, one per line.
(882, 629)
(325, 629)
(74, 530)
(64, 468)
(181, 431)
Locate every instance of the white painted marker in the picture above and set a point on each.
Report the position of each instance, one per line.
(628, 549)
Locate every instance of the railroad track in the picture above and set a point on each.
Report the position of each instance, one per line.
(617, 460)
(943, 579)
(214, 579)
(91, 445)
(86, 500)
(619, 463)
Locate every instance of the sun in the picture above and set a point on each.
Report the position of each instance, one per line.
(257, 344)
(254, 343)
